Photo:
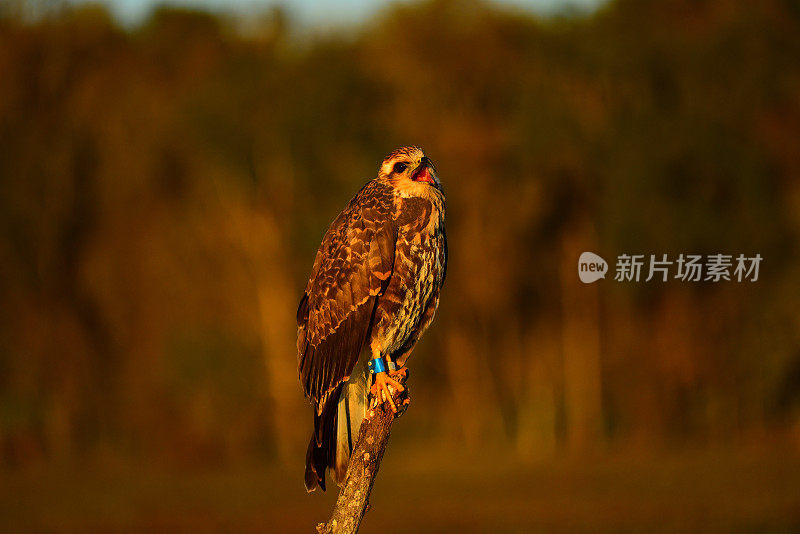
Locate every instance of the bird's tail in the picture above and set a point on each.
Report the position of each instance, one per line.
(321, 451)
(351, 411)
(336, 430)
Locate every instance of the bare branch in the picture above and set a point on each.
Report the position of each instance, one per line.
(363, 468)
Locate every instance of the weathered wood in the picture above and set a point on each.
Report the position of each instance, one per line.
(363, 468)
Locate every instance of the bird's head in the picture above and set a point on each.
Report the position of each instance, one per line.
(410, 172)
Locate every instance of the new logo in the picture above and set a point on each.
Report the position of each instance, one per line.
(591, 267)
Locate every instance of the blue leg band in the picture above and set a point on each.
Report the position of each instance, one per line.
(377, 365)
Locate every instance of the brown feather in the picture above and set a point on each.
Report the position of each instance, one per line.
(351, 269)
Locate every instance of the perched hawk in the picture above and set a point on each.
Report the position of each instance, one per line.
(373, 291)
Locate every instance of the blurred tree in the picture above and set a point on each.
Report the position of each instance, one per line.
(163, 187)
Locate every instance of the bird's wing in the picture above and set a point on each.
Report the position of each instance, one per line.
(352, 269)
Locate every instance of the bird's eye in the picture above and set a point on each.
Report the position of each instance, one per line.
(400, 167)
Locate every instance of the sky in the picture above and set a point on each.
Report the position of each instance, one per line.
(315, 12)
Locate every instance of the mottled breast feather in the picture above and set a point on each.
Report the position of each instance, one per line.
(407, 307)
(351, 269)
(416, 211)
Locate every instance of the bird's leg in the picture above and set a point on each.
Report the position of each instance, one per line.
(382, 381)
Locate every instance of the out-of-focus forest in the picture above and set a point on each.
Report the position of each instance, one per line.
(164, 188)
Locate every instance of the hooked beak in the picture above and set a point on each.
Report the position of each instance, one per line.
(424, 172)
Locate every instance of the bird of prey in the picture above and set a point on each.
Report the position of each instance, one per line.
(373, 291)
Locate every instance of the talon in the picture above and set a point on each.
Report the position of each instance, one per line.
(403, 371)
(403, 406)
